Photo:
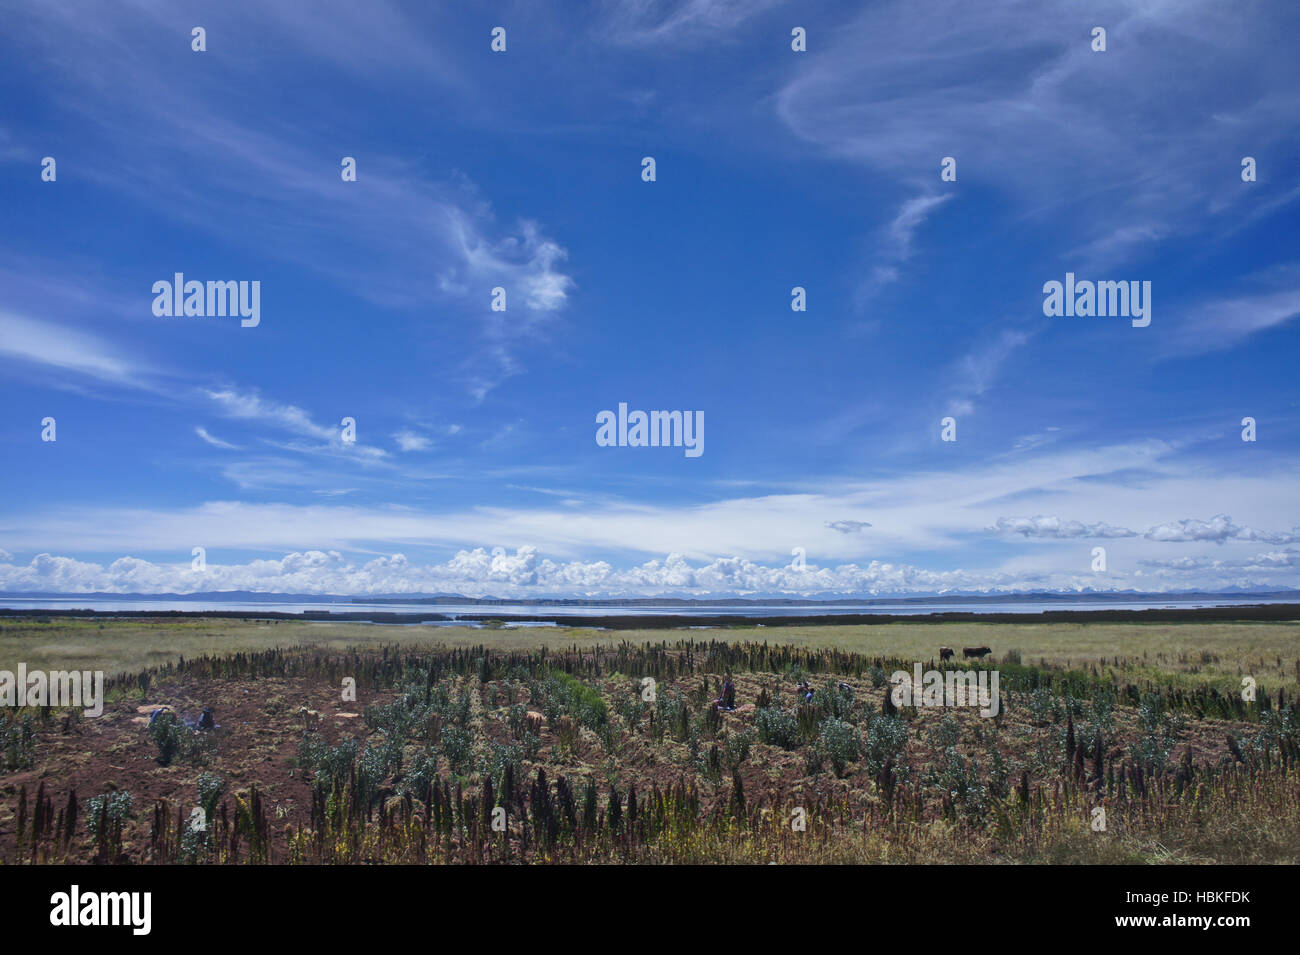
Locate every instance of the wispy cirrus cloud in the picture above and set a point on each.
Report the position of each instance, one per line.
(34, 342)
(931, 511)
(1015, 93)
(215, 441)
(401, 236)
(251, 406)
(893, 246)
(1227, 322)
(975, 372)
(655, 22)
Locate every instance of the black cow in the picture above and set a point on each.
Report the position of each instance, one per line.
(945, 653)
(975, 652)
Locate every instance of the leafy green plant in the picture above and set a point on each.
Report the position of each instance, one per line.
(421, 774)
(814, 758)
(778, 727)
(329, 765)
(196, 835)
(1157, 719)
(1279, 730)
(1152, 751)
(393, 719)
(582, 702)
(457, 747)
(105, 816)
(737, 747)
(886, 740)
(108, 808)
(17, 743)
(960, 781)
(840, 742)
(834, 700)
(175, 741)
(998, 780)
(516, 716)
(947, 732)
(372, 768)
(501, 757)
(531, 743)
(633, 711)
(669, 708)
(1044, 707)
(211, 786)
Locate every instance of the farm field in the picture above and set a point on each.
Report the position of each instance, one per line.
(1112, 744)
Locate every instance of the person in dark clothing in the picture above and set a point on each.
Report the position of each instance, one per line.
(728, 699)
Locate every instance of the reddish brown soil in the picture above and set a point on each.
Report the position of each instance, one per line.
(260, 727)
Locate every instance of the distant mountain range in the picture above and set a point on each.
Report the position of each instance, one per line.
(774, 600)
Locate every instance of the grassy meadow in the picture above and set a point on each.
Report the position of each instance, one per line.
(1217, 654)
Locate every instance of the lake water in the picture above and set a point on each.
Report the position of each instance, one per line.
(254, 607)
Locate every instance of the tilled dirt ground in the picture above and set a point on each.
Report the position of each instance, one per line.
(260, 724)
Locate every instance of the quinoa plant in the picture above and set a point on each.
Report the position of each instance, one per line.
(457, 746)
(778, 727)
(886, 741)
(211, 786)
(737, 747)
(17, 743)
(840, 742)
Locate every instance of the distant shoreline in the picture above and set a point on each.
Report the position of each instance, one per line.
(1245, 613)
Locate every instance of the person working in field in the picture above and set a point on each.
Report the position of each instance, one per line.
(728, 699)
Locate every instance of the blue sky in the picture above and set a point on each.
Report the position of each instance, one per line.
(475, 467)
